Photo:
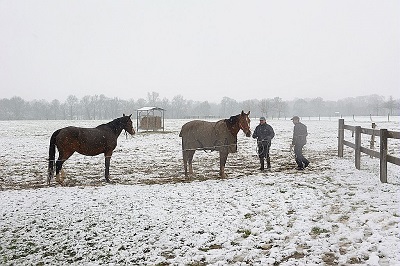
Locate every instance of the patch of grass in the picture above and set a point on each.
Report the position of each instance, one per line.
(289, 212)
(354, 260)
(201, 262)
(344, 218)
(168, 254)
(330, 258)
(162, 264)
(248, 215)
(264, 247)
(296, 255)
(213, 246)
(245, 232)
(317, 231)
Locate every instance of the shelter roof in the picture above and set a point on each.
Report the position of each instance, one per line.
(150, 108)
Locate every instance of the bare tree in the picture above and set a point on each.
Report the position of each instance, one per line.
(86, 103)
(316, 106)
(376, 103)
(300, 107)
(153, 98)
(17, 108)
(265, 106)
(279, 106)
(178, 106)
(202, 109)
(55, 108)
(71, 102)
(228, 107)
(390, 105)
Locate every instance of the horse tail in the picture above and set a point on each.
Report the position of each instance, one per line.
(52, 155)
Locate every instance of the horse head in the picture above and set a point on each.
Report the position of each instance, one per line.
(244, 123)
(127, 124)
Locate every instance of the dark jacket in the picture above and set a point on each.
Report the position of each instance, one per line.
(299, 134)
(264, 132)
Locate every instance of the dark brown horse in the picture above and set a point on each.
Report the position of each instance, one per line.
(87, 141)
(214, 136)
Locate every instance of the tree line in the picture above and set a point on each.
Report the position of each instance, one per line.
(99, 107)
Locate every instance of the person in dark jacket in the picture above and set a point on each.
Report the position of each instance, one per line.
(299, 140)
(264, 133)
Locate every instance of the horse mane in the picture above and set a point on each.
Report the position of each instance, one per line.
(115, 124)
(232, 120)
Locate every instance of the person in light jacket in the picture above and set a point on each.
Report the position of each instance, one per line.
(299, 140)
(264, 133)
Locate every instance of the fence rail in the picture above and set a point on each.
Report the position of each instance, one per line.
(383, 156)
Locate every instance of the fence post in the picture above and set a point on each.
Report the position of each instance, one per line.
(357, 149)
(383, 155)
(372, 141)
(340, 137)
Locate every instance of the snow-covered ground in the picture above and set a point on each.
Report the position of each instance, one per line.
(330, 213)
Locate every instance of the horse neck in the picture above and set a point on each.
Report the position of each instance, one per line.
(115, 127)
(233, 128)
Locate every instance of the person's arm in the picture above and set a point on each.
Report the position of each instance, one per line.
(255, 133)
(272, 133)
(294, 135)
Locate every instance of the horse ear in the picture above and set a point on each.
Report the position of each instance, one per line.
(130, 115)
(248, 112)
(242, 113)
(123, 114)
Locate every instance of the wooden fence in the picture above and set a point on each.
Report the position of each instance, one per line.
(383, 156)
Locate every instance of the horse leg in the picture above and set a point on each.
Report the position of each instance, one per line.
(59, 177)
(185, 162)
(223, 156)
(107, 169)
(190, 160)
(50, 171)
(62, 157)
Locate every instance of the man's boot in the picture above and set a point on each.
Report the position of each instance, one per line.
(268, 163)
(262, 164)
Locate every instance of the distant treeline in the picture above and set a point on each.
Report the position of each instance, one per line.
(100, 107)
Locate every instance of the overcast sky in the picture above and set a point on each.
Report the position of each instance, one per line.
(202, 50)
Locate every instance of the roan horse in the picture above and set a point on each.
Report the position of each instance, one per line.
(87, 141)
(215, 136)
